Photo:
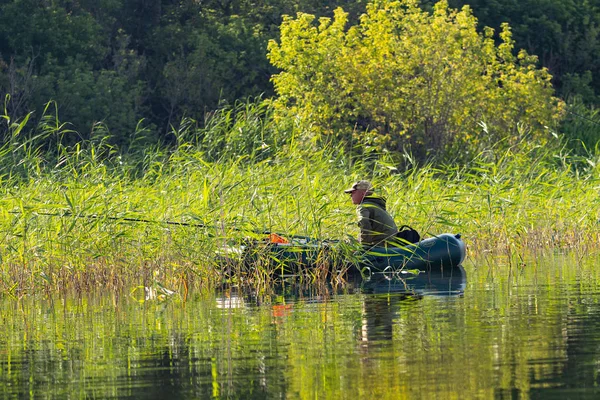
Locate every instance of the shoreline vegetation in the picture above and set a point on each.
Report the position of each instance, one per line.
(472, 140)
(68, 213)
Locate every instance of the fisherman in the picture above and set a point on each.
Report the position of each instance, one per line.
(377, 227)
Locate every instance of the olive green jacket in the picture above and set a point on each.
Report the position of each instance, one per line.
(377, 227)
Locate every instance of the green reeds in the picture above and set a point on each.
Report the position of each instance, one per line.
(504, 206)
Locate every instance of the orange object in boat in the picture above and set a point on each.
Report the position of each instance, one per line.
(275, 238)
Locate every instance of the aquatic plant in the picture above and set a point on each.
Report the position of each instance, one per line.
(90, 215)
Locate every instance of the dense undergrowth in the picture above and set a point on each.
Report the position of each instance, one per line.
(92, 216)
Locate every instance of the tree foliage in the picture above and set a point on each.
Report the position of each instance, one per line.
(115, 62)
(564, 34)
(404, 78)
(118, 61)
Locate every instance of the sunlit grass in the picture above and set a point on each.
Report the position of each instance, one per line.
(68, 214)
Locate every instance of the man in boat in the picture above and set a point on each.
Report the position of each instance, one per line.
(377, 227)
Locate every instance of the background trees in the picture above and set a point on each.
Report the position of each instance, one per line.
(116, 62)
(563, 34)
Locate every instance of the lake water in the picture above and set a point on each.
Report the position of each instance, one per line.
(494, 332)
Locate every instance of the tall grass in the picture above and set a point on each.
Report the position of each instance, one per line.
(67, 213)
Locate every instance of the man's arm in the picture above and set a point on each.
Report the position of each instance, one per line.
(365, 224)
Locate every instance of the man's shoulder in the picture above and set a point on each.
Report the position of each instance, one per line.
(372, 202)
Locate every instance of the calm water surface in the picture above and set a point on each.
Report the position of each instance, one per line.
(489, 333)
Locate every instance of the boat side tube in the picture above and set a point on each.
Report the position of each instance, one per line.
(444, 251)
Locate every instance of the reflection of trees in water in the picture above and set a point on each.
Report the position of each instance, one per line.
(177, 371)
(227, 346)
(161, 373)
(577, 376)
(150, 350)
(159, 376)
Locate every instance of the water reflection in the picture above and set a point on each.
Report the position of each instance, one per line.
(451, 282)
(230, 300)
(535, 334)
(387, 292)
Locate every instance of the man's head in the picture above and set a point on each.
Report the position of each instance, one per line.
(359, 190)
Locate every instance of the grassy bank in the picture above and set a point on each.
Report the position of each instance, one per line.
(71, 225)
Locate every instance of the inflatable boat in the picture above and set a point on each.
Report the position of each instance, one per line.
(436, 253)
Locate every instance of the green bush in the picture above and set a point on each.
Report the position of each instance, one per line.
(407, 79)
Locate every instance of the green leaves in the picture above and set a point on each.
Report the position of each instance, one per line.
(563, 33)
(404, 78)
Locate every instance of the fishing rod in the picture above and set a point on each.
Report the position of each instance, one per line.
(125, 219)
(583, 117)
(166, 222)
